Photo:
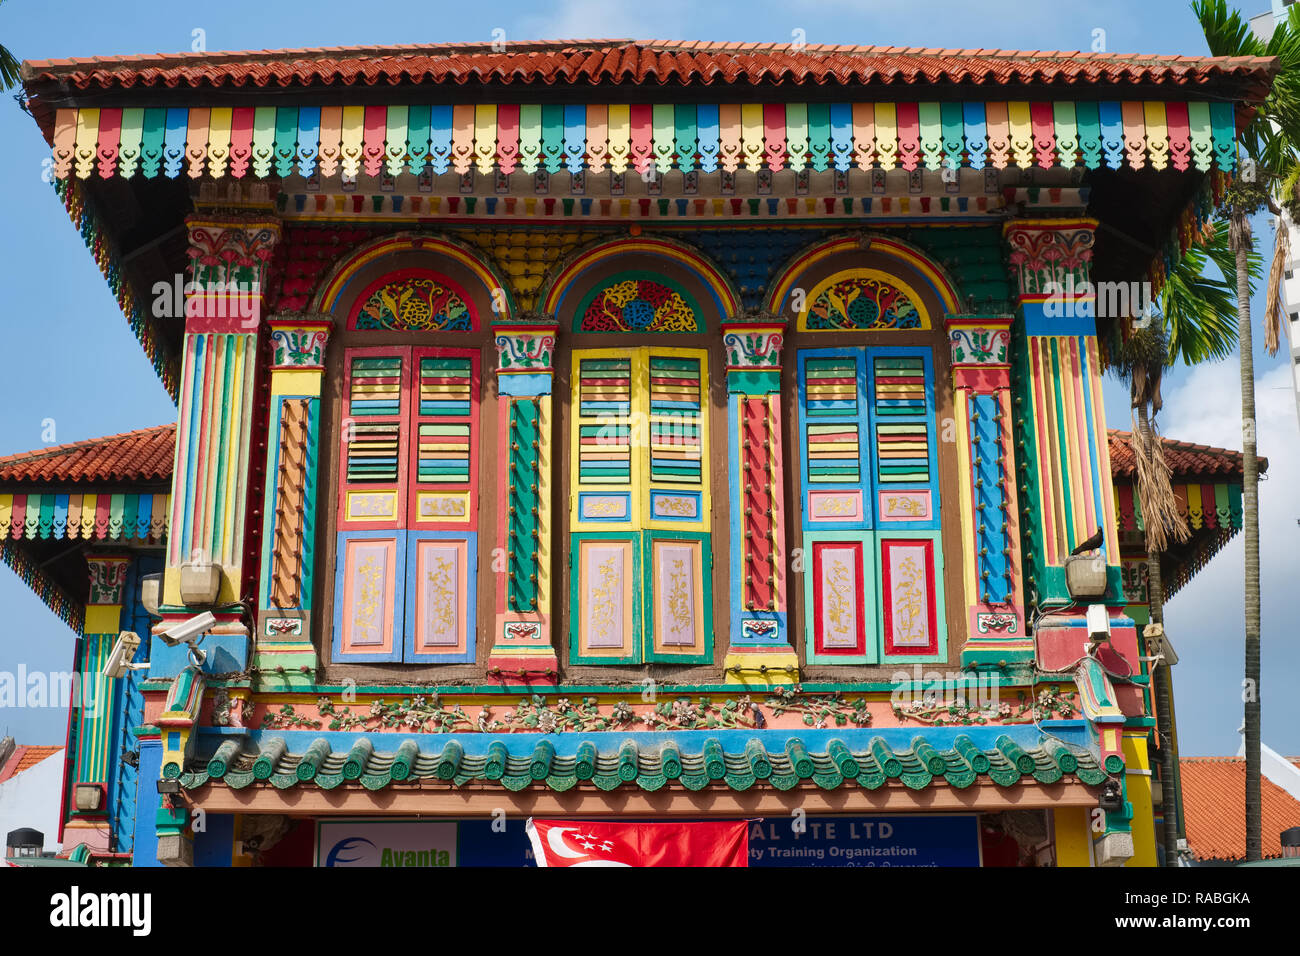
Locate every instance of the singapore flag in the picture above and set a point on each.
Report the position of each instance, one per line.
(575, 843)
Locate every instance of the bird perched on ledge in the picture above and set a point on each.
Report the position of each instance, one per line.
(1090, 545)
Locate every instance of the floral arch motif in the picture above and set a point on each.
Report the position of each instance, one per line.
(863, 300)
(413, 300)
(637, 302)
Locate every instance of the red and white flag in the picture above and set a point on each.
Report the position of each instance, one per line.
(573, 843)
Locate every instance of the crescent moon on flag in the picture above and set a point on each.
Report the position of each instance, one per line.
(555, 840)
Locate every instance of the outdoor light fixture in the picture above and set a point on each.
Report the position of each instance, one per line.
(151, 593)
(200, 583)
(88, 797)
(1085, 576)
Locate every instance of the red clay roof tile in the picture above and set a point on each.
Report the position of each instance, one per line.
(1185, 459)
(633, 62)
(1214, 805)
(142, 455)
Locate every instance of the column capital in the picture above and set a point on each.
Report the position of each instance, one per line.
(1046, 253)
(299, 340)
(981, 347)
(526, 355)
(753, 346)
(230, 257)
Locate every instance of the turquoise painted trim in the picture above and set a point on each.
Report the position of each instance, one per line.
(870, 588)
(861, 419)
(706, 577)
(927, 417)
(524, 385)
(575, 654)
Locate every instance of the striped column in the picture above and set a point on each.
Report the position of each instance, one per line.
(988, 498)
(1059, 418)
(222, 304)
(284, 655)
(94, 704)
(759, 651)
(523, 650)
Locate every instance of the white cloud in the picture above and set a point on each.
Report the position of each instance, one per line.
(1206, 619)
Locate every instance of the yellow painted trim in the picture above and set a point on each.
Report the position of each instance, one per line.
(102, 619)
(1073, 836)
(1138, 786)
(776, 664)
(295, 382)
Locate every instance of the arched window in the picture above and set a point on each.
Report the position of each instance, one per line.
(867, 338)
(643, 362)
(407, 371)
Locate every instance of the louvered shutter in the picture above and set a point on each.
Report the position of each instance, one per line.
(905, 466)
(371, 547)
(835, 491)
(605, 540)
(678, 546)
(442, 510)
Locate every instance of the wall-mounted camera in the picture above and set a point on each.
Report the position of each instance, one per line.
(189, 631)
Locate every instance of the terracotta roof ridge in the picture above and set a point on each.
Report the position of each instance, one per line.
(577, 46)
(53, 451)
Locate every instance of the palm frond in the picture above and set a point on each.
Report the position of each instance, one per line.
(10, 72)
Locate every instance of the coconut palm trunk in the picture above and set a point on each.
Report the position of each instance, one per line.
(1242, 241)
(1160, 683)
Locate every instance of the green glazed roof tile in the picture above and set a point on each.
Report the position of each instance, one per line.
(649, 768)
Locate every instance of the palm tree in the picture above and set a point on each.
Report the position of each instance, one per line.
(1198, 324)
(1271, 140)
(8, 68)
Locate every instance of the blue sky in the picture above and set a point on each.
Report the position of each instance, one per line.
(71, 358)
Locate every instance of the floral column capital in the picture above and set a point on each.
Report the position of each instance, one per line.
(299, 341)
(981, 351)
(1048, 255)
(527, 348)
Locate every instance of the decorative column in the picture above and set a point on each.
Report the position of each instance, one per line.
(1059, 417)
(988, 498)
(94, 705)
(759, 651)
(523, 651)
(229, 258)
(284, 655)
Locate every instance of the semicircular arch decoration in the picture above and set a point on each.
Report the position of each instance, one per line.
(413, 300)
(862, 300)
(637, 302)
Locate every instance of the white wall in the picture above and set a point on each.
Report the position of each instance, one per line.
(31, 799)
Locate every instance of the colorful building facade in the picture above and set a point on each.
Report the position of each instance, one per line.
(642, 430)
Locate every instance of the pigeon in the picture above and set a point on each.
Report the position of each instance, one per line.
(1090, 545)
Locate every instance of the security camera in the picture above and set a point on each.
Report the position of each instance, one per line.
(1098, 624)
(186, 631)
(119, 660)
(1159, 645)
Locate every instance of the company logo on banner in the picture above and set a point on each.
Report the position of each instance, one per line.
(930, 840)
(410, 844)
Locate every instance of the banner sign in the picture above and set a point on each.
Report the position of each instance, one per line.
(919, 840)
